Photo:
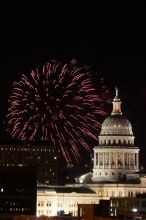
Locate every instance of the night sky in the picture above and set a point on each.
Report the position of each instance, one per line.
(117, 53)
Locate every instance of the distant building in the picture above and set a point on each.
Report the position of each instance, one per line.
(52, 200)
(124, 207)
(44, 158)
(18, 190)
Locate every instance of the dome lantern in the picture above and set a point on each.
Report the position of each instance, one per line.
(116, 104)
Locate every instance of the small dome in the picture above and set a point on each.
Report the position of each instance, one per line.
(116, 125)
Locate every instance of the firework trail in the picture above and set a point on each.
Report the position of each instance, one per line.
(58, 103)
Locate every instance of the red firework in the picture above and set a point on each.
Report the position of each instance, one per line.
(58, 103)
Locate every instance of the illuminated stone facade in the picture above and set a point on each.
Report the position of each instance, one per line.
(116, 155)
(115, 170)
(50, 200)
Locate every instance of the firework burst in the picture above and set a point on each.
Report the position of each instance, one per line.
(59, 103)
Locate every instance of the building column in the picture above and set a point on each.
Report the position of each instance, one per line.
(100, 160)
(109, 160)
(103, 155)
(123, 160)
(128, 161)
(97, 160)
(133, 159)
(116, 160)
(137, 161)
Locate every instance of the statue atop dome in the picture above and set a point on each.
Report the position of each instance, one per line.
(117, 91)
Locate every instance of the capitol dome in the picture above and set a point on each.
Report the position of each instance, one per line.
(116, 125)
(116, 129)
(116, 155)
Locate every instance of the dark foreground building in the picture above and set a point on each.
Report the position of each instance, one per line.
(18, 190)
(45, 158)
(94, 211)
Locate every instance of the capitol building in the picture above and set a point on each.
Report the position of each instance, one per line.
(115, 170)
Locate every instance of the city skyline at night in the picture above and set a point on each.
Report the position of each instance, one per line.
(120, 61)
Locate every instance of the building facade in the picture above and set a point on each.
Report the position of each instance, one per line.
(18, 190)
(116, 156)
(115, 170)
(44, 158)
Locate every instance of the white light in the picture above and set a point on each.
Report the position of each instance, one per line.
(134, 210)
